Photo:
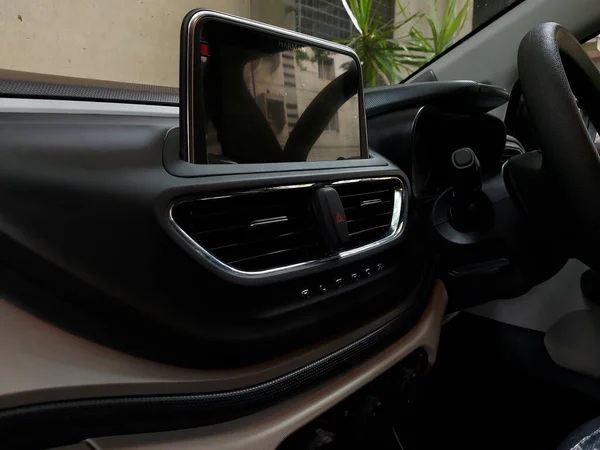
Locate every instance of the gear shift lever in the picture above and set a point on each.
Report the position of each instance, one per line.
(466, 179)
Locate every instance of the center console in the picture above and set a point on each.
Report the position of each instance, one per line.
(287, 217)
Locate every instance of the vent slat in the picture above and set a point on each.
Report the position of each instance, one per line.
(238, 219)
(369, 222)
(368, 201)
(258, 241)
(226, 236)
(267, 255)
(361, 213)
(248, 250)
(388, 203)
(362, 194)
(369, 230)
(368, 207)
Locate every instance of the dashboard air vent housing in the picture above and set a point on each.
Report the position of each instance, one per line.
(512, 148)
(369, 208)
(253, 231)
(251, 235)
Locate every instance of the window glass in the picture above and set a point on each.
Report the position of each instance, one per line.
(137, 41)
(592, 48)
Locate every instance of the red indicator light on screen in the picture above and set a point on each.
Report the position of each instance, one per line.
(204, 49)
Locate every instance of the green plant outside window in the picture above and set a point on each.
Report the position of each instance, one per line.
(390, 50)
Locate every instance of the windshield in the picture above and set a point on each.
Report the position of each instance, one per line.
(138, 41)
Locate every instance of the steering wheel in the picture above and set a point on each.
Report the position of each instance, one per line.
(559, 186)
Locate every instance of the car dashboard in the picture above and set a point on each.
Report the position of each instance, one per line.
(212, 287)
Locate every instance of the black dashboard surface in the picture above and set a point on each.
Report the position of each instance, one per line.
(459, 97)
(85, 219)
(87, 245)
(424, 142)
(419, 125)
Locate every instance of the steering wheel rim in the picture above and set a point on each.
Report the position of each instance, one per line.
(554, 70)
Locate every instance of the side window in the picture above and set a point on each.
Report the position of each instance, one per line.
(140, 43)
(592, 48)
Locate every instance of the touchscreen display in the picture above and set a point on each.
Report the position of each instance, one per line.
(264, 99)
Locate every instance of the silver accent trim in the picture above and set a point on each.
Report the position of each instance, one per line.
(81, 369)
(376, 201)
(272, 220)
(300, 37)
(397, 225)
(46, 106)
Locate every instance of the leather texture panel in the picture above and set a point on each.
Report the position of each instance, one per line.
(267, 429)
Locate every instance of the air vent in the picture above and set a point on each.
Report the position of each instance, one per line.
(276, 228)
(253, 231)
(369, 209)
(512, 148)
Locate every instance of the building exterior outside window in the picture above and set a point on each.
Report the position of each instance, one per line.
(137, 41)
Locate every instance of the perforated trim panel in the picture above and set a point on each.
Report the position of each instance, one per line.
(33, 85)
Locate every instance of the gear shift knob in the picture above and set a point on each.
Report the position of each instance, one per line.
(466, 180)
(466, 174)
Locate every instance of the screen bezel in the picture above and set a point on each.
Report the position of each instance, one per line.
(191, 105)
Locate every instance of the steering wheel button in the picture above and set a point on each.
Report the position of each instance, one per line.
(304, 294)
(339, 282)
(353, 277)
(368, 271)
(322, 289)
(379, 267)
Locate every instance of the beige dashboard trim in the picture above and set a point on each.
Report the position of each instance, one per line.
(267, 429)
(43, 363)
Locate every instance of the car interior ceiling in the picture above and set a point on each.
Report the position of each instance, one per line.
(431, 282)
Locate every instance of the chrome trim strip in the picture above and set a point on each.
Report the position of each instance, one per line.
(376, 201)
(272, 220)
(300, 37)
(46, 106)
(397, 225)
(189, 119)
